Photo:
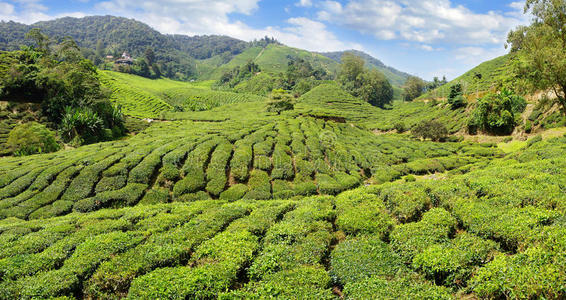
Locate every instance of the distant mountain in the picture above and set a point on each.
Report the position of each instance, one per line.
(99, 36)
(396, 77)
(179, 56)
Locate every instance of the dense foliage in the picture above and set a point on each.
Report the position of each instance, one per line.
(497, 113)
(431, 129)
(540, 48)
(456, 97)
(237, 196)
(413, 88)
(31, 138)
(66, 85)
(370, 85)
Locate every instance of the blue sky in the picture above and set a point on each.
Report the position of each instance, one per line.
(423, 37)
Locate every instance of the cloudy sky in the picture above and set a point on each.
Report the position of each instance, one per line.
(423, 37)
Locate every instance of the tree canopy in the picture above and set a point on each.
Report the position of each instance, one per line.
(62, 80)
(540, 48)
(370, 85)
(414, 87)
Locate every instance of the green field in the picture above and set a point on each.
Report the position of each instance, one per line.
(220, 199)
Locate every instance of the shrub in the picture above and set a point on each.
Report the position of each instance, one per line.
(534, 140)
(282, 163)
(535, 273)
(495, 113)
(280, 102)
(413, 238)
(81, 264)
(126, 196)
(407, 287)
(304, 188)
(110, 184)
(410, 178)
(400, 127)
(31, 138)
(304, 282)
(192, 182)
(235, 192)
(358, 258)
(155, 196)
(433, 130)
(405, 204)
(241, 161)
(216, 172)
(362, 213)
(452, 264)
(260, 187)
(229, 251)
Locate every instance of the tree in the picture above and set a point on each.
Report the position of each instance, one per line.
(456, 98)
(370, 85)
(414, 87)
(350, 68)
(31, 138)
(540, 47)
(149, 56)
(280, 101)
(100, 50)
(41, 40)
(430, 129)
(496, 113)
(375, 88)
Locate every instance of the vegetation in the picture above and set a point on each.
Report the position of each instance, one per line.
(369, 85)
(540, 47)
(433, 130)
(497, 113)
(414, 87)
(312, 193)
(32, 138)
(65, 84)
(456, 97)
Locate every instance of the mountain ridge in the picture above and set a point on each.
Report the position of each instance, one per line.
(180, 53)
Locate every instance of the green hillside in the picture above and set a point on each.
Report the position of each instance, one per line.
(304, 192)
(271, 59)
(493, 73)
(146, 98)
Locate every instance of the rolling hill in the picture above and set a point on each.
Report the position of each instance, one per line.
(396, 77)
(220, 198)
(493, 73)
(198, 57)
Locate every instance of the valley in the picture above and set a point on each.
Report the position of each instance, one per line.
(253, 170)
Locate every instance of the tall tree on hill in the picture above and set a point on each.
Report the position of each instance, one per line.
(370, 85)
(540, 48)
(414, 87)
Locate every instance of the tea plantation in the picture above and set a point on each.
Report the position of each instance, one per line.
(224, 200)
(154, 219)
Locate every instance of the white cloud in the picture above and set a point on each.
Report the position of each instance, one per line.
(6, 8)
(29, 12)
(304, 3)
(424, 21)
(473, 56)
(194, 17)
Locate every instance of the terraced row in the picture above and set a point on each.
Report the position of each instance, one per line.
(188, 161)
(486, 234)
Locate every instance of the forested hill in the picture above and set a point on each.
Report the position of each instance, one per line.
(99, 36)
(395, 76)
(118, 34)
(178, 56)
